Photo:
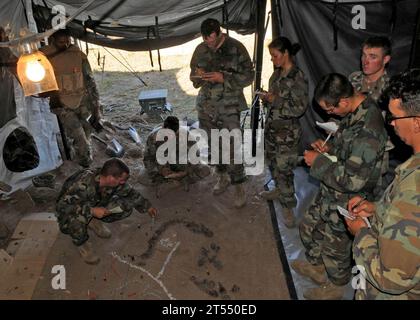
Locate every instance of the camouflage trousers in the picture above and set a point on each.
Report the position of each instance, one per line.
(326, 240)
(282, 160)
(227, 121)
(75, 225)
(77, 132)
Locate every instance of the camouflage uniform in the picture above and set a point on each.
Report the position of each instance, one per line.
(154, 169)
(81, 192)
(283, 130)
(375, 91)
(390, 250)
(76, 99)
(219, 105)
(359, 147)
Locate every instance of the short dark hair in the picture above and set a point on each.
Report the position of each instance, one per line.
(172, 123)
(61, 33)
(209, 26)
(333, 87)
(406, 86)
(114, 167)
(283, 44)
(378, 42)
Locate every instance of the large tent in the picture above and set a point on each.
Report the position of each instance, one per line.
(330, 33)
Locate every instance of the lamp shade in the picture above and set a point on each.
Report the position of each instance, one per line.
(35, 73)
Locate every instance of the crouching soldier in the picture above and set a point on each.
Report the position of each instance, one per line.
(91, 196)
(156, 172)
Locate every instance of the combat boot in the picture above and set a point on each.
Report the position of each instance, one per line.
(223, 182)
(270, 195)
(316, 273)
(99, 228)
(240, 196)
(288, 217)
(87, 253)
(328, 291)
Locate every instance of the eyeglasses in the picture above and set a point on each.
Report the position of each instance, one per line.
(389, 117)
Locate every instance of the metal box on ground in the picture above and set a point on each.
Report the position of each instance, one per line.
(153, 101)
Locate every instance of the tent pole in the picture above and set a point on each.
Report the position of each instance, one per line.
(415, 47)
(259, 45)
(276, 18)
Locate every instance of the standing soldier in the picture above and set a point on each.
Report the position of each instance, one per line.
(373, 79)
(287, 101)
(91, 196)
(221, 68)
(389, 252)
(350, 165)
(77, 97)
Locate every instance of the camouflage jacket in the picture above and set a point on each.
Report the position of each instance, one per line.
(232, 59)
(374, 90)
(359, 146)
(289, 104)
(390, 250)
(81, 192)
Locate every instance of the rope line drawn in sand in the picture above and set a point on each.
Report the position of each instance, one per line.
(147, 272)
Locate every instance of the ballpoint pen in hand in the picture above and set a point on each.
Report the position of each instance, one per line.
(358, 203)
(326, 140)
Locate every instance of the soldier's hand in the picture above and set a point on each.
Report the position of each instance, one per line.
(355, 225)
(310, 156)
(214, 77)
(364, 209)
(152, 212)
(99, 212)
(318, 146)
(165, 171)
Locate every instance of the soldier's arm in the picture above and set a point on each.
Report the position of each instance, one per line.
(194, 65)
(129, 198)
(91, 86)
(293, 101)
(391, 257)
(351, 174)
(242, 74)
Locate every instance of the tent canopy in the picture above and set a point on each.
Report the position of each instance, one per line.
(146, 25)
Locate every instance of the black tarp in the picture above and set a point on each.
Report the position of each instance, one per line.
(148, 25)
(311, 23)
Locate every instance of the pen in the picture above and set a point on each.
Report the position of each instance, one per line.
(326, 140)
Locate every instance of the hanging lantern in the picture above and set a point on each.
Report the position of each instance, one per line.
(35, 72)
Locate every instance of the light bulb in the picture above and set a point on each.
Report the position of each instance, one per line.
(35, 71)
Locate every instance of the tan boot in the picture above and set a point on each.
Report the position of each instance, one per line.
(99, 228)
(327, 291)
(288, 217)
(223, 182)
(316, 273)
(240, 196)
(270, 195)
(87, 253)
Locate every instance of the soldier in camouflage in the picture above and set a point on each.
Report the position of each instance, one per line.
(350, 165)
(388, 254)
(91, 196)
(221, 68)
(373, 79)
(77, 98)
(287, 100)
(157, 172)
